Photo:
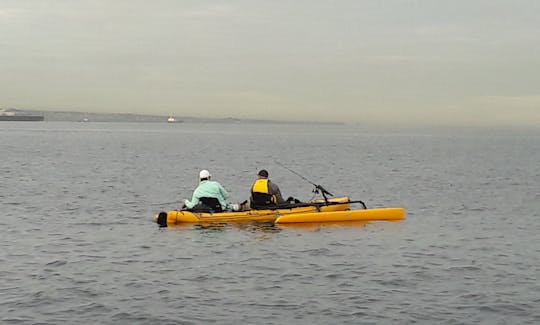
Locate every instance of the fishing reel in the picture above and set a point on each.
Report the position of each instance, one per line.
(323, 191)
(319, 188)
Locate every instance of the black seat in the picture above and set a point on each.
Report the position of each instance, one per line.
(261, 201)
(208, 204)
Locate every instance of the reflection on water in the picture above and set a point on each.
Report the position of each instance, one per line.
(319, 225)
(269, 227)
(244, 226)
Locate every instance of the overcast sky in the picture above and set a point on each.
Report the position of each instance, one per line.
(426, 62)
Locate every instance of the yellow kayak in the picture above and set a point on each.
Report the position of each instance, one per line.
(269, 215)
(319, 211)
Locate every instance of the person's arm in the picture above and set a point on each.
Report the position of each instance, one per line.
(224, 193)
(194, 200)
(274, 190)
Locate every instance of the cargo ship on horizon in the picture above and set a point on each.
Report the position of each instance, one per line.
(14, 115)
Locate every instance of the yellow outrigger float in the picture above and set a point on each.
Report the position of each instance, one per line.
(387, 214)
(328, 210)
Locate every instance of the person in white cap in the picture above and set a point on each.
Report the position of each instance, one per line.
(209, 189)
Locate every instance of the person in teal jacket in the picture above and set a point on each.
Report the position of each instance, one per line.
(211, 189)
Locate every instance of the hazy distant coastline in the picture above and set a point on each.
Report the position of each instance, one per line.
(59, 116)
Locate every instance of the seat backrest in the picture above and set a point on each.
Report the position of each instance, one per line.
(212, 204)
(261, 200)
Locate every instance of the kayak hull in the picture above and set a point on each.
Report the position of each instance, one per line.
(344, 216)
(181, 216)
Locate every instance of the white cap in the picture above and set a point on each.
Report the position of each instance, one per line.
(204, 174)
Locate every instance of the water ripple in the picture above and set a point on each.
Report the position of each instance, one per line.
(78, 243)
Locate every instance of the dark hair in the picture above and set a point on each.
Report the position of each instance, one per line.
(263, 173)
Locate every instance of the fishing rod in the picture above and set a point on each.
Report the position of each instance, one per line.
(317, 186)
(177, 201)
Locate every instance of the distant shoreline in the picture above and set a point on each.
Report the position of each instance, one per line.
(392, 127)
(61, 116)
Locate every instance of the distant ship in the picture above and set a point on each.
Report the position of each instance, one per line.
(10, 115)
(171, 119)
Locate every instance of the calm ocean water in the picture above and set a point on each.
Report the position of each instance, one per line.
(78, 242)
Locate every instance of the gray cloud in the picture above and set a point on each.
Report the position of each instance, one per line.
(428, 62)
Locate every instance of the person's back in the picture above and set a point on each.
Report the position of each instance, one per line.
(264, 193)
(208, 189)
(212, 189)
